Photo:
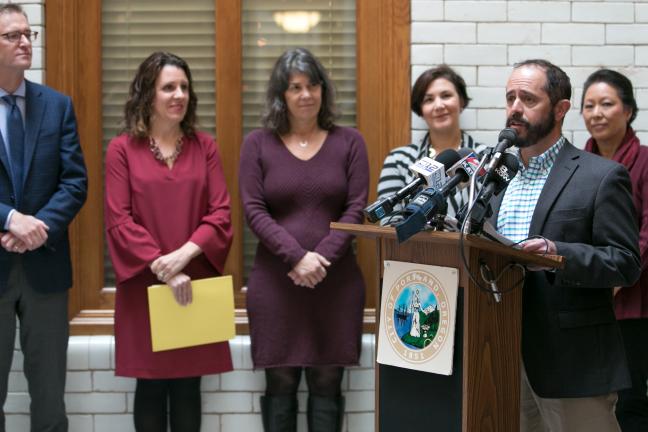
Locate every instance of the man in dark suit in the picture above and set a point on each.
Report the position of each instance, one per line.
(43, 185)
(573, 359)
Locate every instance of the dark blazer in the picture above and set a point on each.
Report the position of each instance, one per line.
(571, 345)
(54, 186)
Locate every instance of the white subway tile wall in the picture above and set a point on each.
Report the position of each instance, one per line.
(484, 39)
(98, 401)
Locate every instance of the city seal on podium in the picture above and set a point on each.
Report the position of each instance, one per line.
(417, 316)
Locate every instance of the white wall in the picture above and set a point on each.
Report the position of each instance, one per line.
(36, 13)
(97, 401)
(482, 39)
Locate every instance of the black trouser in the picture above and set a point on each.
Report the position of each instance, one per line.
(44, 334)
(632, 406)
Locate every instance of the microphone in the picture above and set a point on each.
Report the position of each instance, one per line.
(417, 213)
(494, 183)
(431, 172)
(506, 138)
(467, 165)
(432, 201)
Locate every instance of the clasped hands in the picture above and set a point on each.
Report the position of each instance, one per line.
(24, 233)
(310, 270)
(168, 269)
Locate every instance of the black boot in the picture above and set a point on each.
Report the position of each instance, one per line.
(279, 413)
(325, 413)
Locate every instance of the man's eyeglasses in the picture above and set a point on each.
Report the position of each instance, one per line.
(15, 36)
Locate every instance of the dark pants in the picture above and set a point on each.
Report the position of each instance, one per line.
(177, 399)
(632, 407)
(44, 332)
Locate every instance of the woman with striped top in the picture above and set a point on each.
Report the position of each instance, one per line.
(438, 96)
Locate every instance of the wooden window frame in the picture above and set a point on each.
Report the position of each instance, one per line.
(73, 66)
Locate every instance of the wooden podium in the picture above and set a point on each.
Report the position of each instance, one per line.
(483, 393)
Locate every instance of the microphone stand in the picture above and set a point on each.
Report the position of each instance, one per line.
(471, 193)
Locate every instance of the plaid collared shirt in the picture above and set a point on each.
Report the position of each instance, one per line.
(521, 195)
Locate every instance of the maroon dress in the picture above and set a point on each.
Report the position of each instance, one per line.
(289, 204)
(151, 210)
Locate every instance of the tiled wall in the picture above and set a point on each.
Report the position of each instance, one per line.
(483, 38)
(36, 13)
(97, 401)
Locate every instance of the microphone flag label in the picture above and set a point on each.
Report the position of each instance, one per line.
(431, 170)
(472, 162)
(468, 164)
(417, 317)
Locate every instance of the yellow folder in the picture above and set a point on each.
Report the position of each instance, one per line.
(208, 319)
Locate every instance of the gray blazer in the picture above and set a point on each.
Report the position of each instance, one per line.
(571, 345)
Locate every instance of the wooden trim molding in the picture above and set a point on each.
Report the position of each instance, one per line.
(383, 100)
(229, 124)
(73, 66)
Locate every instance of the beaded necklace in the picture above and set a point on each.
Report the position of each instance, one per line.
(157, 154)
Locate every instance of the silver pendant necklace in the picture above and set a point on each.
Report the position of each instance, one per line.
(304, 143)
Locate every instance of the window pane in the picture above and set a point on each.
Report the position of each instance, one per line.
(133, 29)
(325, 27)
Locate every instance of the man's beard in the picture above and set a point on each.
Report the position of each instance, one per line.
(535, 132)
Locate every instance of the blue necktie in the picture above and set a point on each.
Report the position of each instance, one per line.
(16, 133)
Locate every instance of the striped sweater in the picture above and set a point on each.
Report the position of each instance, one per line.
(395, 173)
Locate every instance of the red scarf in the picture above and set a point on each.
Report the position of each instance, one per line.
(625, 154)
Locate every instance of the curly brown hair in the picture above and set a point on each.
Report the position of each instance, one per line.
(141, 94)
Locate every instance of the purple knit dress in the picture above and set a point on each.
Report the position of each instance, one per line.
(289, 204)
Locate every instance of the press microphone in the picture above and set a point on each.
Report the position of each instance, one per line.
(494, 183)
(432, 201)
(430, 172)
(465, 167)
(505, 140)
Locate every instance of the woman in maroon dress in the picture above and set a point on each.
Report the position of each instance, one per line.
(167, 215)
(305, 292)
(609, 107)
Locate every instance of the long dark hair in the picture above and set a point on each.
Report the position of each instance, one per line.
(298, 60)
(620, 83)
(141, 94)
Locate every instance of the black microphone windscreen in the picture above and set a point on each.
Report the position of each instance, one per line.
(508, 134)
(504, 173)
(448, 158)
(511, 162)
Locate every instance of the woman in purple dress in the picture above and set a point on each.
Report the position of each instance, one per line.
(609, 107)
(305, 292)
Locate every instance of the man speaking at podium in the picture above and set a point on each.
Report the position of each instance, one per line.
(578, 206)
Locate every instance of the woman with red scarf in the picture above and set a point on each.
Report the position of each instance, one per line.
(608, 107)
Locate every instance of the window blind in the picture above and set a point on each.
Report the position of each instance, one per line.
(131, 31)
(328, 30)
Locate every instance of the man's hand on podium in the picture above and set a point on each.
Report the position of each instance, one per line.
(539, 246)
